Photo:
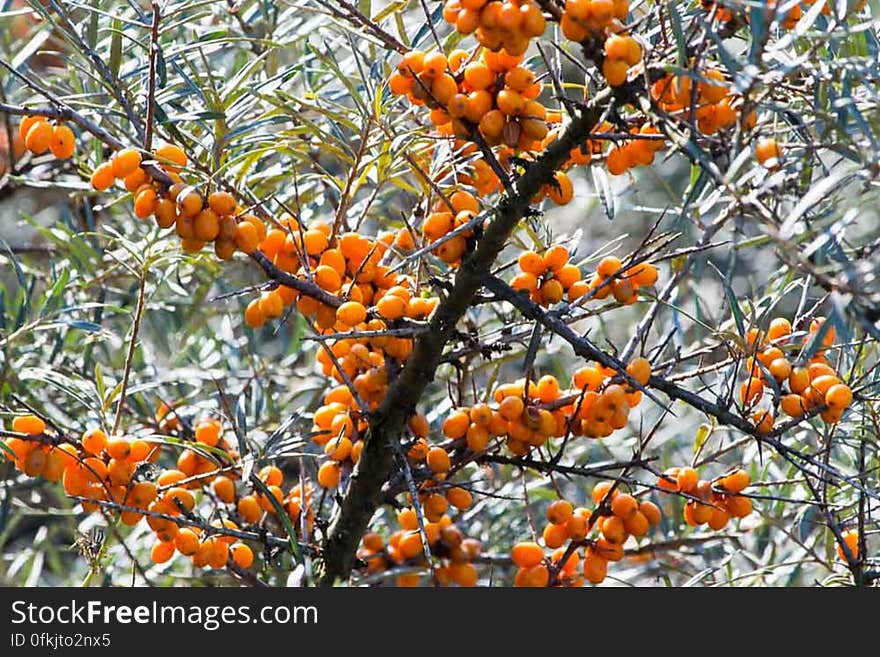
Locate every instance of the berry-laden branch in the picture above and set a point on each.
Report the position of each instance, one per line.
(374, 467)
(585, 348)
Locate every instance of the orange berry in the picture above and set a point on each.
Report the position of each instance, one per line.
(459, 498)
(779, 327)
(688, 478)
(169, 153)
(434, 64)
(511, 408)
(602, 489)
(438, 460)
(102, 177)
(145, 203)
(595, 567)
(34, 463)
(738, 506)
(478, 75)
(118, 447)
(162, 552)
(536, 576)
(27, 123)
(329, 474)
(624, 505)
(736, 481)
(351, 313)
(254, 315)
(793, 405)
(613, 529)
(615, 71)
(208, 431)
(531, 263)
(559, 512)
(780, 368)
(763, 420)
(63, 142)
(456, 425)
(187, 541)
(555, 535)
(718, 519)
(189, 203)
(246, 237)
(839, 396)
(636, 524)
(206, 225)
(751, 391)
(125, 162)
(29, 424)
(640, 370)
(577, 527)
(651, 511)
(222, 203)
(242, 555)
(39, 137)
(547, 389)
(249, 509)
(608, 266)
(527, 554)
(510, 102)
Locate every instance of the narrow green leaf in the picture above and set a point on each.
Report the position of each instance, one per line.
(115, 46)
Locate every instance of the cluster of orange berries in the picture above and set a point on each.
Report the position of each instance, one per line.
(445, 541)
(582, 18)
(40, 136)
(612, 279)
(462, 207)
(521, 417)
(196, 221)
(802, 387)
(530, 413)
(98, 468)
(339, 423)
(497, 24)
(621, 52)
(177, 490)
(621, 516)
(549, 277)
(619, 158)
(714, 105)
(637, 151)
(255, 506)
(495, 94)
(720, 500)
(473, 169)
(601, 406)
(348, 266)
(788, 20)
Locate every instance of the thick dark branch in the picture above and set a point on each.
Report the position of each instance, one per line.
(374, 467)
